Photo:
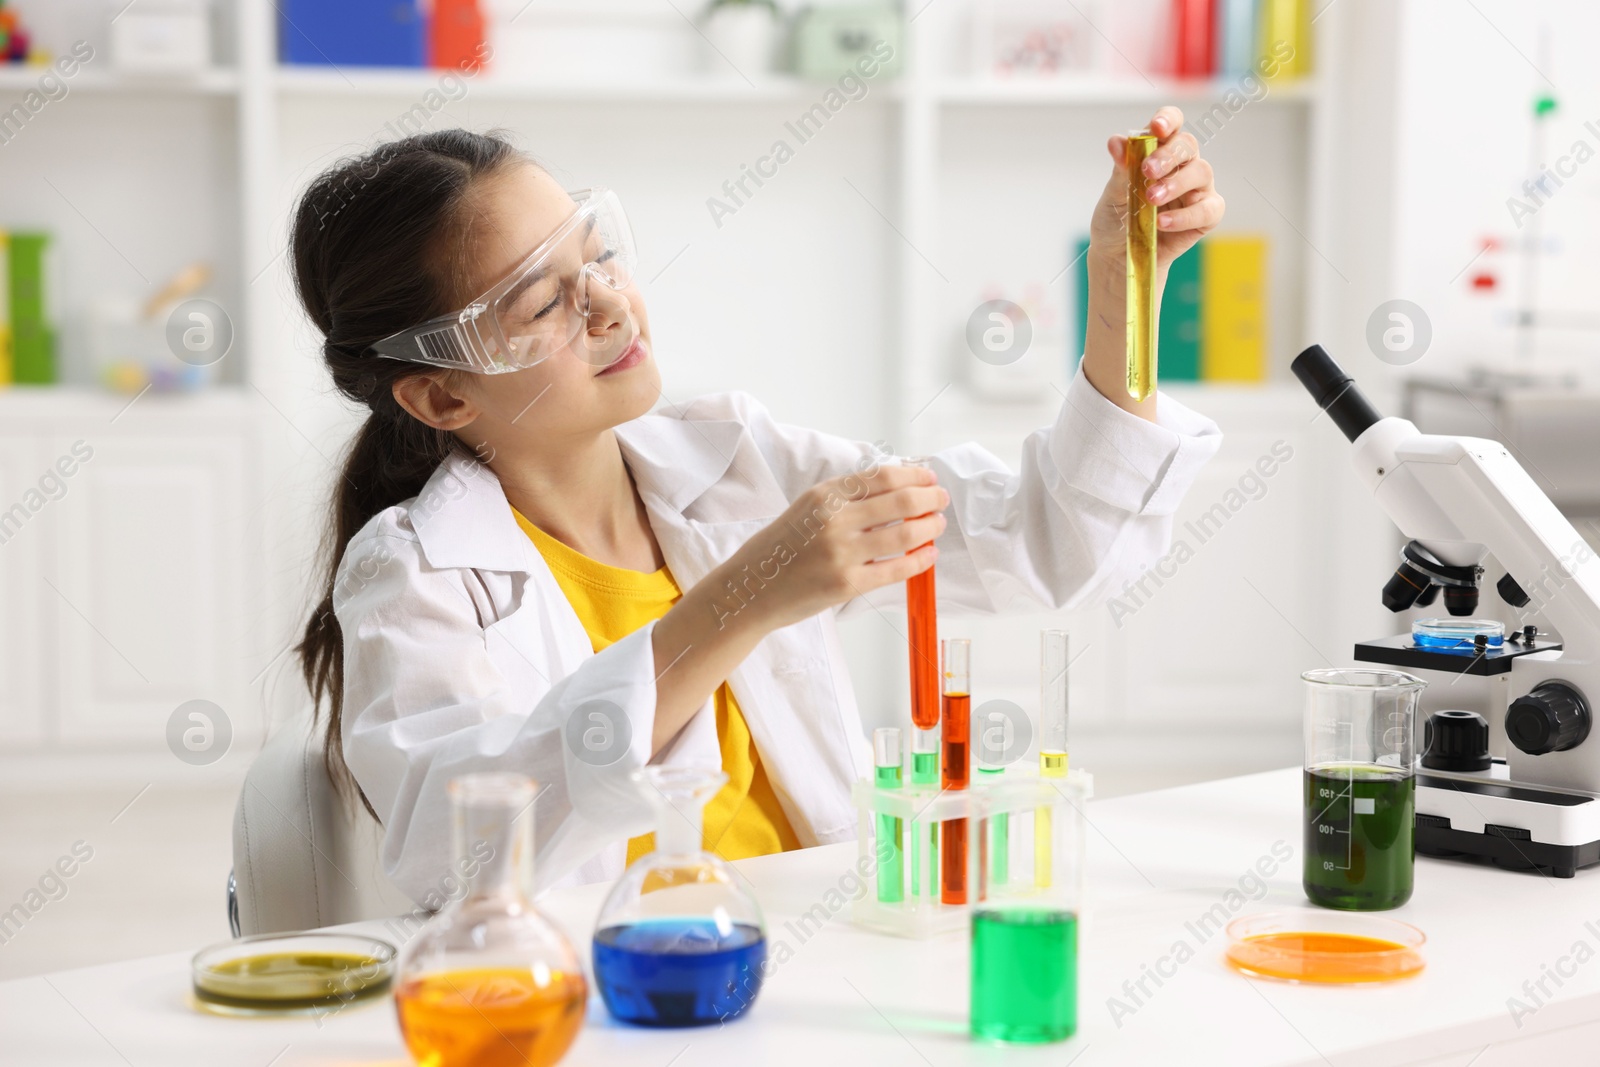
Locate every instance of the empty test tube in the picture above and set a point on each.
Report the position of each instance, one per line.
(1141, 268)
(891, 829)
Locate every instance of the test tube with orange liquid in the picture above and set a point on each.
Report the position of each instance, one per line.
(922, 633)
(955, 765)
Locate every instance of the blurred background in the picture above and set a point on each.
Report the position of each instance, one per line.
(1408, 183)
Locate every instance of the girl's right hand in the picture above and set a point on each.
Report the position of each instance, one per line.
(834, 543)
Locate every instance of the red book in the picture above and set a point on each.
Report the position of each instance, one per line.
(1194, 38)
(457, 35)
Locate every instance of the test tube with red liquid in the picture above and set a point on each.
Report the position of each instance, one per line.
(922, 632)
(954, 765)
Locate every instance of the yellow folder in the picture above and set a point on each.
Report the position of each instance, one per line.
(1233, 309)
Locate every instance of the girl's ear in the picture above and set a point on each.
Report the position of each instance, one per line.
(430, 400)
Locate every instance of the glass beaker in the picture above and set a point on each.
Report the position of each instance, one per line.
(489, 980)
(1025, 927)
(680, 940)
(1360, 787)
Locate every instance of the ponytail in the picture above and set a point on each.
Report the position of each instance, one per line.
(367, 263)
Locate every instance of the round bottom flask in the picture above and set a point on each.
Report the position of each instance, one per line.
(680, 941)
(489, 981)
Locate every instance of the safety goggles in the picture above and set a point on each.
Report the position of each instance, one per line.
(541, 306)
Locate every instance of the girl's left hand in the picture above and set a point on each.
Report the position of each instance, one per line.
(1181, 186)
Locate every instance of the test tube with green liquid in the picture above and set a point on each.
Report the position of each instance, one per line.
(995, 838)
(1053, 663)
(1142, 233)
(891, 829)
(925, 835)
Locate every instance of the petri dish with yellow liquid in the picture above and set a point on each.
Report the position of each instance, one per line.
(287, 974)
(1324, 947)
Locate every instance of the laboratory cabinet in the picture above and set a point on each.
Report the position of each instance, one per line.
(130, 563)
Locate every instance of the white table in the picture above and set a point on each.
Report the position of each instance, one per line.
(1158, 862)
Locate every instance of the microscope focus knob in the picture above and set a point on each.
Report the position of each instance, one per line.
(1551, 718)
(1456, 741)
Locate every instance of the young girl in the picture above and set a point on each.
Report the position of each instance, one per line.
(535, 574)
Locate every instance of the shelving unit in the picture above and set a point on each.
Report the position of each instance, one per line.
(873, 247)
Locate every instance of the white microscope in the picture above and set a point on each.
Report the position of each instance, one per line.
(1510, 772)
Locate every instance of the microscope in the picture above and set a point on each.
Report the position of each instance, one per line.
(1509, 772)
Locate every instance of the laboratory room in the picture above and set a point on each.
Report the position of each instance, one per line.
(686, 533)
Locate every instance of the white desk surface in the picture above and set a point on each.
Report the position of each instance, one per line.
(1158, 861)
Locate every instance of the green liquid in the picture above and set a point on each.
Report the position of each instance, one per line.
(997, 839)
(891, 866)
(925, 835)
(1359, 845)
(1024, 975)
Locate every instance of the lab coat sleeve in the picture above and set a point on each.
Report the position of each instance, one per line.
(1093, 500)
(424, 702)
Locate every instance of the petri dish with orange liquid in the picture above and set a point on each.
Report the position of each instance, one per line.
(1324, 947)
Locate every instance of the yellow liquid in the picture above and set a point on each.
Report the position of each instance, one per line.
(290, 981)
(1051, 765)
(493, 1017)
(1141, 270)
(1339, 959)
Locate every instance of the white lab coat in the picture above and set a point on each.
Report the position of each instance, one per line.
(462, 654)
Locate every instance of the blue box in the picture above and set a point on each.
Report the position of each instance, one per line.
(354, 33)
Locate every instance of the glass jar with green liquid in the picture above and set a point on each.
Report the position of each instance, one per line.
(1025, 923)
(1360, 787)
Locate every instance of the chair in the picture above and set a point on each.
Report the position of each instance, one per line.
(304, 856)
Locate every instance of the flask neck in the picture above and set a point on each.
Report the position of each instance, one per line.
(680, 827)
(494, 848)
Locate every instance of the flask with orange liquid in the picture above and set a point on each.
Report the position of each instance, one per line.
(489, 981)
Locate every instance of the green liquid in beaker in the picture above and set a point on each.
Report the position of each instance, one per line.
(1359, 842)
(1024, 975)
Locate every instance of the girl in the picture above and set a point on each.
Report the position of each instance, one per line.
(534, 573)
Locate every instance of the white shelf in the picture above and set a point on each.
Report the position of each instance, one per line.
(323, 82)
(218, 81)
(1100, 91)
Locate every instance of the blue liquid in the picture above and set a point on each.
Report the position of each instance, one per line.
(678, 972)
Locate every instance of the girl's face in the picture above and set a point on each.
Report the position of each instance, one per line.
(605, 376)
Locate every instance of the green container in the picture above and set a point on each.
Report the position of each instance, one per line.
(1359, 844)
(33, 342)
(832, 41)
(1024, 975)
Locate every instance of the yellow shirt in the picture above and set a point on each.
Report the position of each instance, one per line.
(744, 818)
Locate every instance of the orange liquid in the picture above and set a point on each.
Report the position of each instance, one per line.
(1324, 957)
(494, 1017)
(922, 631)
(955, 770)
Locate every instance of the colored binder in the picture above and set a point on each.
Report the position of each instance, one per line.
(1233, 309)
(1080, 301)
(1236, 37)
(1285, 32)
(6, 372)
(33, 358)
(1178, 357)
(1194, 24)
(353, 33)
(457, 35)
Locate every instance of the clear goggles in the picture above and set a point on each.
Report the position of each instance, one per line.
(547, 302)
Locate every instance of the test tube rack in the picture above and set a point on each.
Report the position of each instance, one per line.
(1002, 812)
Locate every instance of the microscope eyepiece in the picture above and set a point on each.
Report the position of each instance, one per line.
(1334, 391)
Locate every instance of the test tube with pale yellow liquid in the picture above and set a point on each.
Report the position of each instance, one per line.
(1141, 310)
(1052, 738)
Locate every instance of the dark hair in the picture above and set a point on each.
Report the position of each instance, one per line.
(373, 255)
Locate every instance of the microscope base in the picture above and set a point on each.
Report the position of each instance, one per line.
(1518, 827)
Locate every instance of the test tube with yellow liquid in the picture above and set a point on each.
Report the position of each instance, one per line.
(1052, 738)
(1141, 311)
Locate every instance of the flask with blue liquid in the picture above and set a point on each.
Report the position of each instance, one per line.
(680, 940)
